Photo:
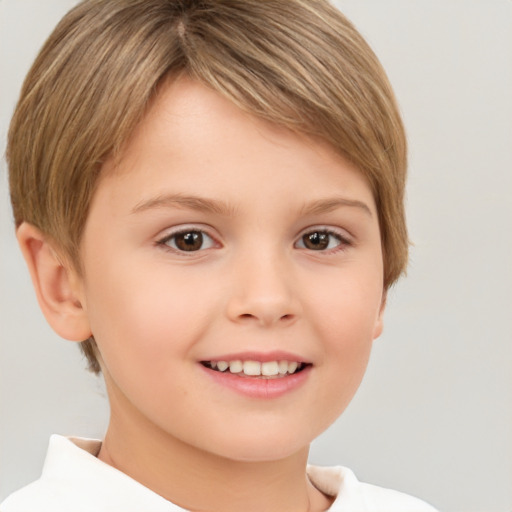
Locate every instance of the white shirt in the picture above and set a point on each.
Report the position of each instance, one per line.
(74, 480)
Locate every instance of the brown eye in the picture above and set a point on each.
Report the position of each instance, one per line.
(316, 241)
(320, 241)
(189, 241)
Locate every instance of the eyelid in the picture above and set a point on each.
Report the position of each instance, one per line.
(334, 230)
(345, 239)
(185, 228)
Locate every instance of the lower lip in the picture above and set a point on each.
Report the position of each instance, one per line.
(255, 387)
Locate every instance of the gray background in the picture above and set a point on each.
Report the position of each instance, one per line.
(434, 414)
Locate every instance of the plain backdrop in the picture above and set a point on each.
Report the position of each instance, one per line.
(434, 415)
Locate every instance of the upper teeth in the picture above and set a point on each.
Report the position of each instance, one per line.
(255, 368)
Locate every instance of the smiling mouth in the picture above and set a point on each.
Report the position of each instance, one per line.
(268, 369)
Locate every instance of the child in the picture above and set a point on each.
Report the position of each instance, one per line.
(209, 197)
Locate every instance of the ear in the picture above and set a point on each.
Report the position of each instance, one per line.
(56, 283)
(379, 323)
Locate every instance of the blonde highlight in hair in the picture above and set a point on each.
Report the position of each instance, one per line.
(297, 63)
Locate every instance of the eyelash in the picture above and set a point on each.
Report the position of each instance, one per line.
(164, 242)
(343, 241)
(342, 244)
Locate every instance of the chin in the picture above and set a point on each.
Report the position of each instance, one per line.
(259, 453)
(259, 447)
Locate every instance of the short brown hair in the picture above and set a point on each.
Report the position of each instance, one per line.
(298, 63)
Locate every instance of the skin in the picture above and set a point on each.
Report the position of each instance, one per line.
(254, 285)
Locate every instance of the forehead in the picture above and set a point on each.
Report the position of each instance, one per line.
(192, 138)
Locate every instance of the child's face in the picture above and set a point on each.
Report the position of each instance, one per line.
(220, 237)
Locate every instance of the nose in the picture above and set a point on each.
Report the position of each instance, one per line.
(263, 292)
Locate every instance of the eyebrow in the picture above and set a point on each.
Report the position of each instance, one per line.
(184, 201)
(222, 208)
(333, 203)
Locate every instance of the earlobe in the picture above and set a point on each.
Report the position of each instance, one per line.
(56, 285)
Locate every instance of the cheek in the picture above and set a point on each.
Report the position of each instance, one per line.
(348, 335)
(144, 330)
(347, 308)
(146, 317)
(347, 319)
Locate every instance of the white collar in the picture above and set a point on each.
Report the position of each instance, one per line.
(73, 460)
(75, 479)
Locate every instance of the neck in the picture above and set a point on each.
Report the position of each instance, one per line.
(197, 480)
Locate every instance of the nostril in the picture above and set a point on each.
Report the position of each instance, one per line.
(267, 319)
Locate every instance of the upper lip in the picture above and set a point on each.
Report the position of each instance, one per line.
(262, 357)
